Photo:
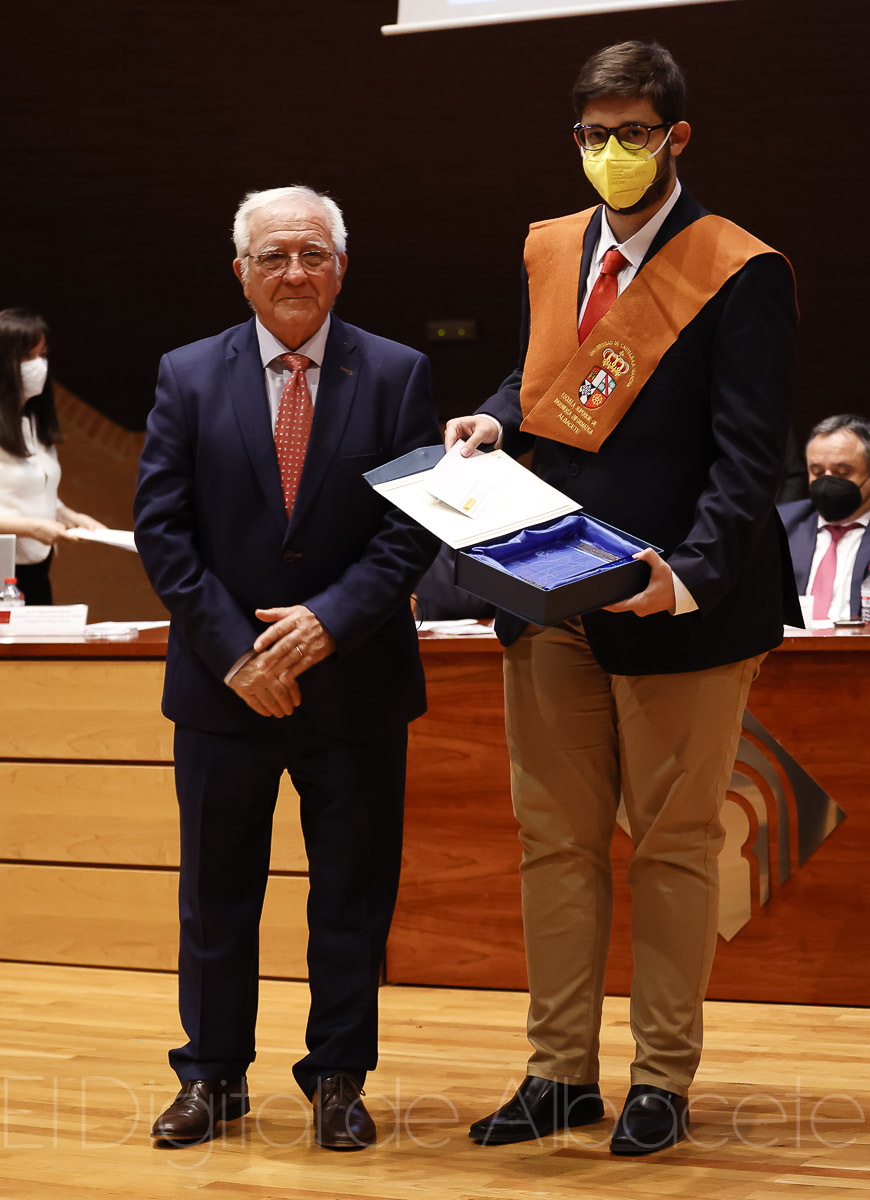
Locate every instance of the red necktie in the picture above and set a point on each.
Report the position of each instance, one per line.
(826, 573)
(293, 426)
(603, 293)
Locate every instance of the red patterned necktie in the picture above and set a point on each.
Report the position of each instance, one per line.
(826, 573)
(603, 293)
(293, 426)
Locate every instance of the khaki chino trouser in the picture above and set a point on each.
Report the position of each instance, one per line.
(579, 736)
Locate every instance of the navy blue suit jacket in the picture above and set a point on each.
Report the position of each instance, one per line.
(693, 467)
(215, 540)
(802, 525)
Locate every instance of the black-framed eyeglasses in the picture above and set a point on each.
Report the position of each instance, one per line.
(313, 261)
(632, 135)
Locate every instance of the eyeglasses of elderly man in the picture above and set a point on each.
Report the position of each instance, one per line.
(313, 261)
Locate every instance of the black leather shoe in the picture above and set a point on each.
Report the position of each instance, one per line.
(341, 1120)
(196, 1110)
(538, 1108)
(650, 1120)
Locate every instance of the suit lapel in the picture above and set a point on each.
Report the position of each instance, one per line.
(250, 404)
(803, 547)
(339, 376)
(862, 562)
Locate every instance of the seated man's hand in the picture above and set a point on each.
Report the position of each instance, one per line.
(264, 694)
(295, 642)
(657, 596)
(473, 430)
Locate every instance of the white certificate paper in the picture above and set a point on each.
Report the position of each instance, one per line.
(123, 538)
(506, 497)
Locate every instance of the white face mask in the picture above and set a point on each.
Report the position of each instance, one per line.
(34, 372)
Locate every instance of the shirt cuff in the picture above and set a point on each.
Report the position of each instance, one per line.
(498, 442)
(246, 657)
(685, 601)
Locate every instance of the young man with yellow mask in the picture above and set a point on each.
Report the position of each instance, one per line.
(654, 388)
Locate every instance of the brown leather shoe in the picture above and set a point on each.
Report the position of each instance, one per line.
(196, 1110)
(341, 1120)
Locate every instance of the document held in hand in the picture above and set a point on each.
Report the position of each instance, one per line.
(468, 500)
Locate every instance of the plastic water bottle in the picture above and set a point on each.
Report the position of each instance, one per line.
(11, 597)
(865, 599)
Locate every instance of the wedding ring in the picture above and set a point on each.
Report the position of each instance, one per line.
(299, 652)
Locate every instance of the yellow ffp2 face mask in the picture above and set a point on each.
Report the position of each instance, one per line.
(621, 176)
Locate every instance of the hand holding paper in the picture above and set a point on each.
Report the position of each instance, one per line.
(465, 482)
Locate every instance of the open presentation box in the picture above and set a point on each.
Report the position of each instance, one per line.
(528, 548)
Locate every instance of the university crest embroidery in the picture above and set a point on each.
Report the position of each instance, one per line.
(601, 381)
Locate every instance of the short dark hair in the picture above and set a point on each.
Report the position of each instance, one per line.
(633, 69)
(860, 426)
(21, 332)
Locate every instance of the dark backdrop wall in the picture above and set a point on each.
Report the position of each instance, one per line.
(131, 129)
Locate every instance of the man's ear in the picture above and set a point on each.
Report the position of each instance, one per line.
(342, 268)
(680, 135)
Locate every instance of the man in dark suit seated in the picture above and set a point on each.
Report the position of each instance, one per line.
(669, 333)
(829, 534)
(292, 647)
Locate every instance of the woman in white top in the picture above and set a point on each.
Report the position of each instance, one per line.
(29, 471)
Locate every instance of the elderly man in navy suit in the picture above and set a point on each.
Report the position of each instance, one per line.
(829, 534)
(292, 647)
(669, 333)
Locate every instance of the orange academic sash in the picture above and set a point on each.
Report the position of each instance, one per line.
(579, 395)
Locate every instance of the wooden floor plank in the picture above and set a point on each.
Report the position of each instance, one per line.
(780, 1108)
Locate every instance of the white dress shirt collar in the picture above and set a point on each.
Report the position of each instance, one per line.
(271, 348)
(635, 247)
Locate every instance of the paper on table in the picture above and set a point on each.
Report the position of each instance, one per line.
(516, 499)
(47, 620)
(122, 538)
(139, 626)
(462, 627)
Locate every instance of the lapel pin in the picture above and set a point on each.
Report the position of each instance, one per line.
(346, 370)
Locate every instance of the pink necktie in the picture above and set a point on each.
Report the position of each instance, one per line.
(293, 426)
(826, 573)
(603, 293)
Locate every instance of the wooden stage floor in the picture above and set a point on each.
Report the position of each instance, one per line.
(780, 1106)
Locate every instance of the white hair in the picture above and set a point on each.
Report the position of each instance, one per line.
(254, 201)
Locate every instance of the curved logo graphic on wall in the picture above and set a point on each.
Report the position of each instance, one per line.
(770, 799)
(601, 380)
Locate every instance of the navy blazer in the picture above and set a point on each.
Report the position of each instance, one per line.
(802, 525)
(693, 467)
(216, 543)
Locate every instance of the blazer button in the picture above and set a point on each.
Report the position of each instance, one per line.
(573, 469)
(291, 555)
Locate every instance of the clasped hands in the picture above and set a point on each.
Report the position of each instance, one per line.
(294, 641)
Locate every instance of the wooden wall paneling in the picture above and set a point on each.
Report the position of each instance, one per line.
(112, 813)
(128, 918)
(458, 920)
(88, 813)
(84, 710)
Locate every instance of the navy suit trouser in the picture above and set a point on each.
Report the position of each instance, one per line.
(351, 800)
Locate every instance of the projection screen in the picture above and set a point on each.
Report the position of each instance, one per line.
(419, 16)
